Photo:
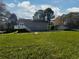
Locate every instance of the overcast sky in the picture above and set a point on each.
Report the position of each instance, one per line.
(26, 8)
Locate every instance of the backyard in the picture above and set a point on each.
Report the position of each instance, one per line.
(41, 45)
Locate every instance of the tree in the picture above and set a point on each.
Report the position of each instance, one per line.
(39, 15)
(7, 20)
(45, 15)
(4, 15)
(49, 14)
(12, 20)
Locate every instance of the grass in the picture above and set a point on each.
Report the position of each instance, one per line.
(44, 45)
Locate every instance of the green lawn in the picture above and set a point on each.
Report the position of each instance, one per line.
(44, 45)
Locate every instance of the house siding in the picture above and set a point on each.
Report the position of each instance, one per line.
(35, 25)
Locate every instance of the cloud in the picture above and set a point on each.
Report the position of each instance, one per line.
(11, 5)
(26, 5)
(25, 9)
(57, 11)
(73, 9)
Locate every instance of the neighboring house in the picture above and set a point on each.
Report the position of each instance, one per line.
(58, 21)
(67, 21)
(71, 20)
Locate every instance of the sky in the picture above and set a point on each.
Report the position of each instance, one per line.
(27, 8)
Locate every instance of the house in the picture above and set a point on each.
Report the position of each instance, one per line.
(71, 20)
(40, 22)
(67, 21)
(31, 25)
(58, 23)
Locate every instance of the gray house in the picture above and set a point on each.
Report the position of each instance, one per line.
(31, 25)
